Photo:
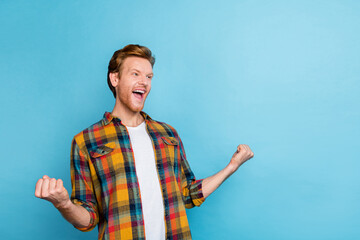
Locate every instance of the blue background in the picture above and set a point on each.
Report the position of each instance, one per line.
(280, 76)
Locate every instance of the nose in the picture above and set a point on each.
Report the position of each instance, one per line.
(144, 81)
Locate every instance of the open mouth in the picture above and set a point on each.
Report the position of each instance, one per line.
(139, 94)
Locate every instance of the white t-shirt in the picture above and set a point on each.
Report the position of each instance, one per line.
(151, 197)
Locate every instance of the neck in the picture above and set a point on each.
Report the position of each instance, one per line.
(128, 118)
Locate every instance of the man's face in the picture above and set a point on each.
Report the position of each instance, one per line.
(135, 83)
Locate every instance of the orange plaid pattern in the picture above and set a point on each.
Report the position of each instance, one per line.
(104, 179)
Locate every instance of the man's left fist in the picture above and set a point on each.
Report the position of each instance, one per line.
(242, 154)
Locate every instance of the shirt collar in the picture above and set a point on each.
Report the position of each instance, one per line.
(108, 117)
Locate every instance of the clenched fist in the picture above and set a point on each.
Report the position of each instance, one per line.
(242, 154)
(53, 191)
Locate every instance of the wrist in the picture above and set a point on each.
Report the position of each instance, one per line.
(63, 206)
(233, 166)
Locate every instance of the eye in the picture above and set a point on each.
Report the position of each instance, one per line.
(135, 74)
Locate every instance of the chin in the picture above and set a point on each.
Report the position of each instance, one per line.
(137, 108)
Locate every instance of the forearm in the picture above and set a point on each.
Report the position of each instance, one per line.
(242, 154)
(210, 184)
(75, 214)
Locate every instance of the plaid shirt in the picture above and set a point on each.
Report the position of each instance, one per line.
(104, 179)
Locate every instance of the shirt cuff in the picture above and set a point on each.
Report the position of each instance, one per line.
(93, 216)
(196, 193)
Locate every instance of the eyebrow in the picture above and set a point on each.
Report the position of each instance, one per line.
(136, 70)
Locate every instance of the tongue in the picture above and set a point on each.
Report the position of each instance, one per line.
(138, 95)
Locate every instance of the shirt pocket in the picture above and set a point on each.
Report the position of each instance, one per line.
(104, 160)
(170, 141)
(102, 150)
(171, 149)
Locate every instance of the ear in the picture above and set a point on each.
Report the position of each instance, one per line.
(114, 79)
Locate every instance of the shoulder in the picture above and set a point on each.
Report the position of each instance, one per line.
(163, 128)
(86, 135)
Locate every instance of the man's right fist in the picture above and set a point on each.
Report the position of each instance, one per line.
(53, 191)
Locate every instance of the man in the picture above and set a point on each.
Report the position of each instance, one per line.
(129, 173)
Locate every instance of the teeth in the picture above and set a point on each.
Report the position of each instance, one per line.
(139, 91)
